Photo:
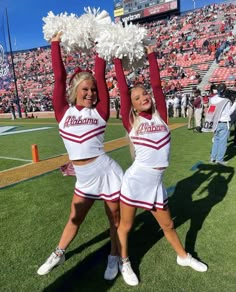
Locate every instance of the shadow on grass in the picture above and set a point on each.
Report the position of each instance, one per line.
(231, 150)
(102, 236)
(184, 208)
(88, 274)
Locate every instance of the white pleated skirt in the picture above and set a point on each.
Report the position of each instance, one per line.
(142, 187)
(99, 180)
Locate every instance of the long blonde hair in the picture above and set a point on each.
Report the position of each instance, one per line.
(134, 116)
(74, 83)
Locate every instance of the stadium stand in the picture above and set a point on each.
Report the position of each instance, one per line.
(194, 49)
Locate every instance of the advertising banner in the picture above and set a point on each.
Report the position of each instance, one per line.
(5, 75)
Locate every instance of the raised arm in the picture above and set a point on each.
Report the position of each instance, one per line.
(125, 102)
(156, 84)
(60, 103)
(103, 106)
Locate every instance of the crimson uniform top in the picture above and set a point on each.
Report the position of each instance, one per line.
(82, 129)
(152, 133)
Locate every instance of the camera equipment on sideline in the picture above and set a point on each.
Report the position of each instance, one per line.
(230, 94)
(225, 92)
(221, 88)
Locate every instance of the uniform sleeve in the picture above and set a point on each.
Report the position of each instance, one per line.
(156, 86)
(125, 102)
(60, 103)
(103, 106)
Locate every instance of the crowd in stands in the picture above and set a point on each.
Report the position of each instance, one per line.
(186, 46)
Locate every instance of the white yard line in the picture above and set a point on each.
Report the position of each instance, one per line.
(12, 158)
(24, 131)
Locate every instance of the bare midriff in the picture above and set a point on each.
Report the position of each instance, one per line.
(83, 161)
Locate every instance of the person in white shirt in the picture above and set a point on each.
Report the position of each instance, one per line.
(190, 112)
(176, 106)
(221, 124)
(169, 105)
(183, 105)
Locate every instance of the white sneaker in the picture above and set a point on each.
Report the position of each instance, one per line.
(222, 162)
(51, 262)
(192, 262)
(128, 274)
(112, 267)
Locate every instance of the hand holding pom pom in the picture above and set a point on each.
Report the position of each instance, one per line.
(57, 37)
(149, 49)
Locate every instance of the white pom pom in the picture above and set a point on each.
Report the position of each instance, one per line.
(92, 22)
(102, 14)
(103, 18)
(93, 11)
(68, 39)
(53, 24)
(76, 31)
(121, 42)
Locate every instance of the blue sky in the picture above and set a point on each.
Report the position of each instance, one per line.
(25, 16)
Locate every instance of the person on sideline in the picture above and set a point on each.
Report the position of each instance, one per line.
(12, 110)
(117, 107)
(142, 185)
(177, 105)
(218, 121)
(184, 101)
(198, 110)
(190, 112)
(82, 125)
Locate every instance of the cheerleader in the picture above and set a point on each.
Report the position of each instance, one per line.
(145, 118)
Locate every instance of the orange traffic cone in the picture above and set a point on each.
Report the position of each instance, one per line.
(35, 153)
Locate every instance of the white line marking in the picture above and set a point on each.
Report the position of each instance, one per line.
(12, 158)
(4, 129)
(24, 131)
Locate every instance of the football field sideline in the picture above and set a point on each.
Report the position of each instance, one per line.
(28, 171)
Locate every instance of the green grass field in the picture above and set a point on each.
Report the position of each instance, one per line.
(33, 214)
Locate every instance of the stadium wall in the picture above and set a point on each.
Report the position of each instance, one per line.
(139, 13)
(42, 115)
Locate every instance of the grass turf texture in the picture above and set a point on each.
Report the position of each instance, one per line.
(48, 141)
(202, 202)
